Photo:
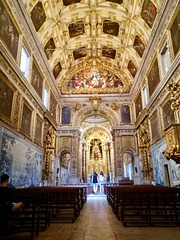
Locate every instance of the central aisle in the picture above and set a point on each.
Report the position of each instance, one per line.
(98, 222)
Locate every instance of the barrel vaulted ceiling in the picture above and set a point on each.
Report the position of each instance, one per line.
(94, 46)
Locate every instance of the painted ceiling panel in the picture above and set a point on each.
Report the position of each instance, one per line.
(83, 35)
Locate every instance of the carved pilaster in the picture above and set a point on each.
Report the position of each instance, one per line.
(75, 157)
(117, 152)
(174, 89)
(144, 149)
(16, 111)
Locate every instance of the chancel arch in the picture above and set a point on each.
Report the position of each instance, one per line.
(86, 112)
(96, 151)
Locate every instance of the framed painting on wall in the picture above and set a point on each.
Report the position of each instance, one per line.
(153, 78)
(26, 119)
(6, 97)
(155, 134)
(37, 80)
(168, 114)
(138, 105)
(8, 31)
(52, 106)
(175, 34)
(38, 130)
(65, 115)
(125, 114)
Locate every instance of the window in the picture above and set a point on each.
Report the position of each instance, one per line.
(46, 97)
(24, 64)
(165, 58)
(145, 99)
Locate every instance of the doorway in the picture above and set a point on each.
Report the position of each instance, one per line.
(166, 176)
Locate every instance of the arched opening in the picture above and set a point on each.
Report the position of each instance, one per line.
(65, 165)
(129, 167)
(95, 147)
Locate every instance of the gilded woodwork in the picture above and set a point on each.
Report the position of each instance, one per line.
(96, 149)
(75, 155)
(16, 111)
(174, 89)
(173, 132)
(49, 150)
(145, 149)
(173, 143)
(22, 87)
(90, 64)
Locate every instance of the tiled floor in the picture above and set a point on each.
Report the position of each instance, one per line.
(97, 221)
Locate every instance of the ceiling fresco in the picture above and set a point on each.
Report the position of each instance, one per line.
(94, 46)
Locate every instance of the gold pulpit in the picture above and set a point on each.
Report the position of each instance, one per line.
(173, 143)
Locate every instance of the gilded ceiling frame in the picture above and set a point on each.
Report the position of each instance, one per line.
(100, 65)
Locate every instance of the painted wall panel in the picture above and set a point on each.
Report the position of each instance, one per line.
(21, 160)
(158, 165)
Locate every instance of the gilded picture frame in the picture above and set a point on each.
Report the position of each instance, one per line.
(26, 119)
(38, 133)
(155, 127)
(9, 33)
(153, 77)
(138, 105)
(52, 105)
(37, 80)
(6, 97)
(168, 117)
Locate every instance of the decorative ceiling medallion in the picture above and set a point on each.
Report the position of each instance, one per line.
(94, 76)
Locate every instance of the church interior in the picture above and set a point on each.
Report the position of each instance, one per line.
(90, 86)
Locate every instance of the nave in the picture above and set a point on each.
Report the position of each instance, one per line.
(97, 221)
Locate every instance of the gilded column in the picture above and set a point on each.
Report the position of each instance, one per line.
(144, 150)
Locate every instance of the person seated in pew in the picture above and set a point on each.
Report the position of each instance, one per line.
(6, 204)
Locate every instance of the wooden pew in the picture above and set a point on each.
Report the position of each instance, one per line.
(43, 204)
(26, 220)
(145, 205)
(66, 202)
